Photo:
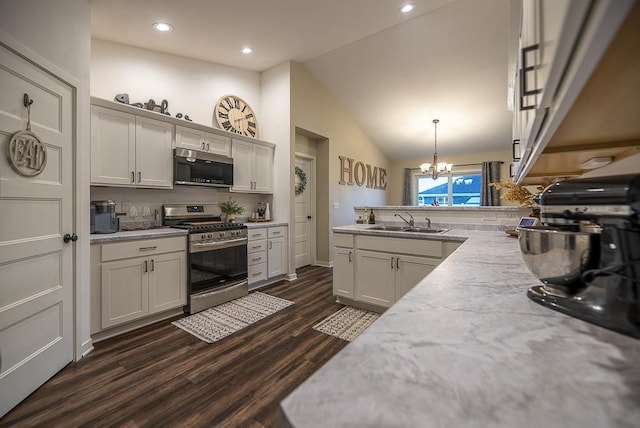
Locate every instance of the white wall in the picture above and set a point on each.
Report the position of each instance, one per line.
(277, 128)
(57, 35)
(190, 86)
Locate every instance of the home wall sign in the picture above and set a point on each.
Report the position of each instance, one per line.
(352, 171)
(27, 153)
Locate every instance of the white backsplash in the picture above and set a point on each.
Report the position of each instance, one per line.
(142, 208)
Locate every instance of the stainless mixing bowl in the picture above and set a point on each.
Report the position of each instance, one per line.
(557, 257)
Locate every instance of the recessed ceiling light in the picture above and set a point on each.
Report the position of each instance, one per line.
(598, 162)
(407, 8)
(162, 26)
(247, 50)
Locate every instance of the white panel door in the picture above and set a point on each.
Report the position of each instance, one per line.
(376, 278)
(36, 266)
(343, 272)
(304, 215)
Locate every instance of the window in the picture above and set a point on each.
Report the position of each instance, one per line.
(455, 189)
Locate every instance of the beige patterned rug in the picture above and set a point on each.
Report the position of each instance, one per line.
(220, 321)
(347, 323)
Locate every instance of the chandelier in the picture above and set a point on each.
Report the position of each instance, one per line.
(436, 168)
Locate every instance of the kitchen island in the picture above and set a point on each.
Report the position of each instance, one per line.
(467, 348)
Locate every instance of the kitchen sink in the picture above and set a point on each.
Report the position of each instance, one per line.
(409, 229)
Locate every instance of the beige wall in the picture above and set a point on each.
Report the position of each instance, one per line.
(630, 165)
(313, 109)
(397, 167)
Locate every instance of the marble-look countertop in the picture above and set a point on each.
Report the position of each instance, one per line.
(467, 348)
(163, 232)
(254, 225)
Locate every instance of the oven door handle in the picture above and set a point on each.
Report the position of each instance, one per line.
(197, 247)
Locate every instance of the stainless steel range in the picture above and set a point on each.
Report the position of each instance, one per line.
(217, 254)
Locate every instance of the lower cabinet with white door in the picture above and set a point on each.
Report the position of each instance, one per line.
(267, 255)
(137, 279)
(376, 271)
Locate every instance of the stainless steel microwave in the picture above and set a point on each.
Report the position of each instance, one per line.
(194, 168)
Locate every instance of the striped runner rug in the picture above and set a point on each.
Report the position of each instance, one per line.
(347, 323)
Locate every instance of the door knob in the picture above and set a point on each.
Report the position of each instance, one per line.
(66, 238)
(308, 217)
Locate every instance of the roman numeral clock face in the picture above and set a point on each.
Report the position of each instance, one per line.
(234, 115)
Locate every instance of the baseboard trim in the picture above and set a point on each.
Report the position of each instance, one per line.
(322, 263)
(86, 348)
(290, 277)
(120, 329)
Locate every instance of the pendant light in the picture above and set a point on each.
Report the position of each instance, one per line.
(436, 168)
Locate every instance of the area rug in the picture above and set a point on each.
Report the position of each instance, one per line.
(220, 321)
(347, 323)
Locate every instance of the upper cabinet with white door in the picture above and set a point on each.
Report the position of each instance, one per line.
(576, 69)
(195, 139)
(252, 167)
(128, 150)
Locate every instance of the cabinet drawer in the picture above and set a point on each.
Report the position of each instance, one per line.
(255, 234)
(343, 240)
(277, 232)
(418, 247)
(256, 258)
(257, 272)
(256, 246)
(143, 247)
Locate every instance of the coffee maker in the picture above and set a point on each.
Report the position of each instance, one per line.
(103, 217)
(598, 220)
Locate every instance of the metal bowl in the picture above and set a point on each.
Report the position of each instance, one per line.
(557, 257)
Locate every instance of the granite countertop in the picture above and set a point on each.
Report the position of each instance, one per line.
(467, 348)
(161, 232)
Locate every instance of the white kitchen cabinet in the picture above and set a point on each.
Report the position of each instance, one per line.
(252, 167)
(277, 251)
(257, 255)
(141, 278)
(343, 265)
(385, 277)
(561, 43)
(195, 139)
(131, 151)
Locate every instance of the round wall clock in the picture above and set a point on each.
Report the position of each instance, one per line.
(233, 114)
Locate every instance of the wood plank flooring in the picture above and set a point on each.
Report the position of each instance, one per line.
(161, 376)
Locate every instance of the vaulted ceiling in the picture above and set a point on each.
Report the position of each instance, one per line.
(392, 73)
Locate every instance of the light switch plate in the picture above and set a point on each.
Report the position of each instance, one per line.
(336, 205)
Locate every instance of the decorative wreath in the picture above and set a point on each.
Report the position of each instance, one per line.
(302, 184)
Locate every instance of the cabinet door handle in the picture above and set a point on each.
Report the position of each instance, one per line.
(208, 147)
(203, 145)
(270, 245)
(153, 265)
(148, 248)
(257, 274)
(397, 263)
(523, 78)
(146, 266)
(349, 256)
(392, 262)
(133, 176)
(139, 176)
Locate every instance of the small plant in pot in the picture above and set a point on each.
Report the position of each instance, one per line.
(230, 209)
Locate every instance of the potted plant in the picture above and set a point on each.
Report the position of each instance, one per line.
(230, 209)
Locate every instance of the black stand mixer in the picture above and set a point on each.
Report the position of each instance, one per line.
(587, 254)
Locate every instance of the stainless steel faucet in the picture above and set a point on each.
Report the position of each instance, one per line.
(428, 222)
(411, 223)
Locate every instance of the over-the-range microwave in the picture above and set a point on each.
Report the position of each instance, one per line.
(194, 168)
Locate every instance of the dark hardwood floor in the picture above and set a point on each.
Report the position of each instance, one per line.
(160, 376)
